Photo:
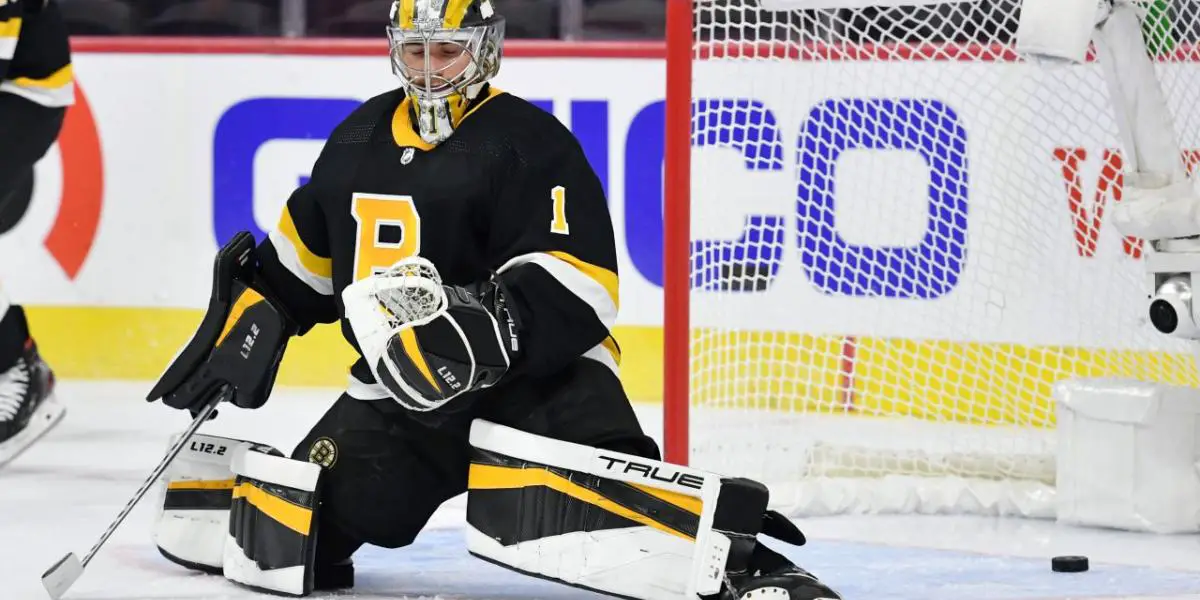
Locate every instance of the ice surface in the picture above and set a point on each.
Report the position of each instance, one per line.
(61, 494)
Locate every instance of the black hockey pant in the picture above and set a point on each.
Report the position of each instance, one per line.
(391, 470)
(27, 130)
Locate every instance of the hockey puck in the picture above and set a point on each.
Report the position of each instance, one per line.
(1069, 564)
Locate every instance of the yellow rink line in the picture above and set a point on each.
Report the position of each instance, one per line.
(966, 382)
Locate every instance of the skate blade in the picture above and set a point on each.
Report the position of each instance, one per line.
(42, 421)
(59, 578)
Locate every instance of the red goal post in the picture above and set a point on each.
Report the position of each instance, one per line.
(677, 149)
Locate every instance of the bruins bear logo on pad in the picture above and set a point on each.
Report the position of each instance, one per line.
(323, 452)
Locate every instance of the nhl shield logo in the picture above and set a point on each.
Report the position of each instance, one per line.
(407, 156)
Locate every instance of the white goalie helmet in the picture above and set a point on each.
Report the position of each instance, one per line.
(444, 52)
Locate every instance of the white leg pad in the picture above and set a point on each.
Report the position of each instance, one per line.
(196, 493)
(606, 521)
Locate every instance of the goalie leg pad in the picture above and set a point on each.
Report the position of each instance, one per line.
(271, 543)
(197, 491)
(610, 522)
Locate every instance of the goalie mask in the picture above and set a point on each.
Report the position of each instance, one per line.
(444, 52)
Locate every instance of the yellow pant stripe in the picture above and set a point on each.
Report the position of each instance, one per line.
(606, 278)
(317, 265)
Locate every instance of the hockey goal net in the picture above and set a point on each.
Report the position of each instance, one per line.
(886, 242)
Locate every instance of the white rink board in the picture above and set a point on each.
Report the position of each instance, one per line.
(156, 233)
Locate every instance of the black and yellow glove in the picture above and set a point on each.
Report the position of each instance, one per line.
(428, 343)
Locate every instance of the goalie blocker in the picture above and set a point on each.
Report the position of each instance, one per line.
(239, 343)
(610, 522)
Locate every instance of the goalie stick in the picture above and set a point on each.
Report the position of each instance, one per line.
(63, 574)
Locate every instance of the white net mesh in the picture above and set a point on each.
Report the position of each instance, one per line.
(899, 246)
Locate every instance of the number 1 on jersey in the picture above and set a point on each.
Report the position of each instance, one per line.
(559, 223)
(389, 230)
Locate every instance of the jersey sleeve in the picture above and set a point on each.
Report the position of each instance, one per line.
(10, 32)
(553, 246)
(295, 258)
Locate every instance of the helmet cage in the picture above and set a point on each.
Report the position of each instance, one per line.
(412, 52)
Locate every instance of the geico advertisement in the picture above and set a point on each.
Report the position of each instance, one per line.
(926, 199)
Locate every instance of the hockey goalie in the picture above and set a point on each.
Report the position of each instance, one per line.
(460, 237)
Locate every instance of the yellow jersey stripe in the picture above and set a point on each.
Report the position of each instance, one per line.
(317, 265)
(494, 477)
(293, 516)
(10, 28)
(57, 79)
(606, 278)
(10, 33)
(595, 286)
(610, 344)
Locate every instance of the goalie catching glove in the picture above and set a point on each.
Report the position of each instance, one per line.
(426, 342)
(239, 343)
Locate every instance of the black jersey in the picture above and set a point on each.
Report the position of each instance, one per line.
(511, 192)
(35, 53)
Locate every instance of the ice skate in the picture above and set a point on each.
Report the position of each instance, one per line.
(28, 407)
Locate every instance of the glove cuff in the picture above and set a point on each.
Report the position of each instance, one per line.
(495, 296)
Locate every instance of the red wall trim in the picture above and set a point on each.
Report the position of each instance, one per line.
(349, 47)
(656, 49)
